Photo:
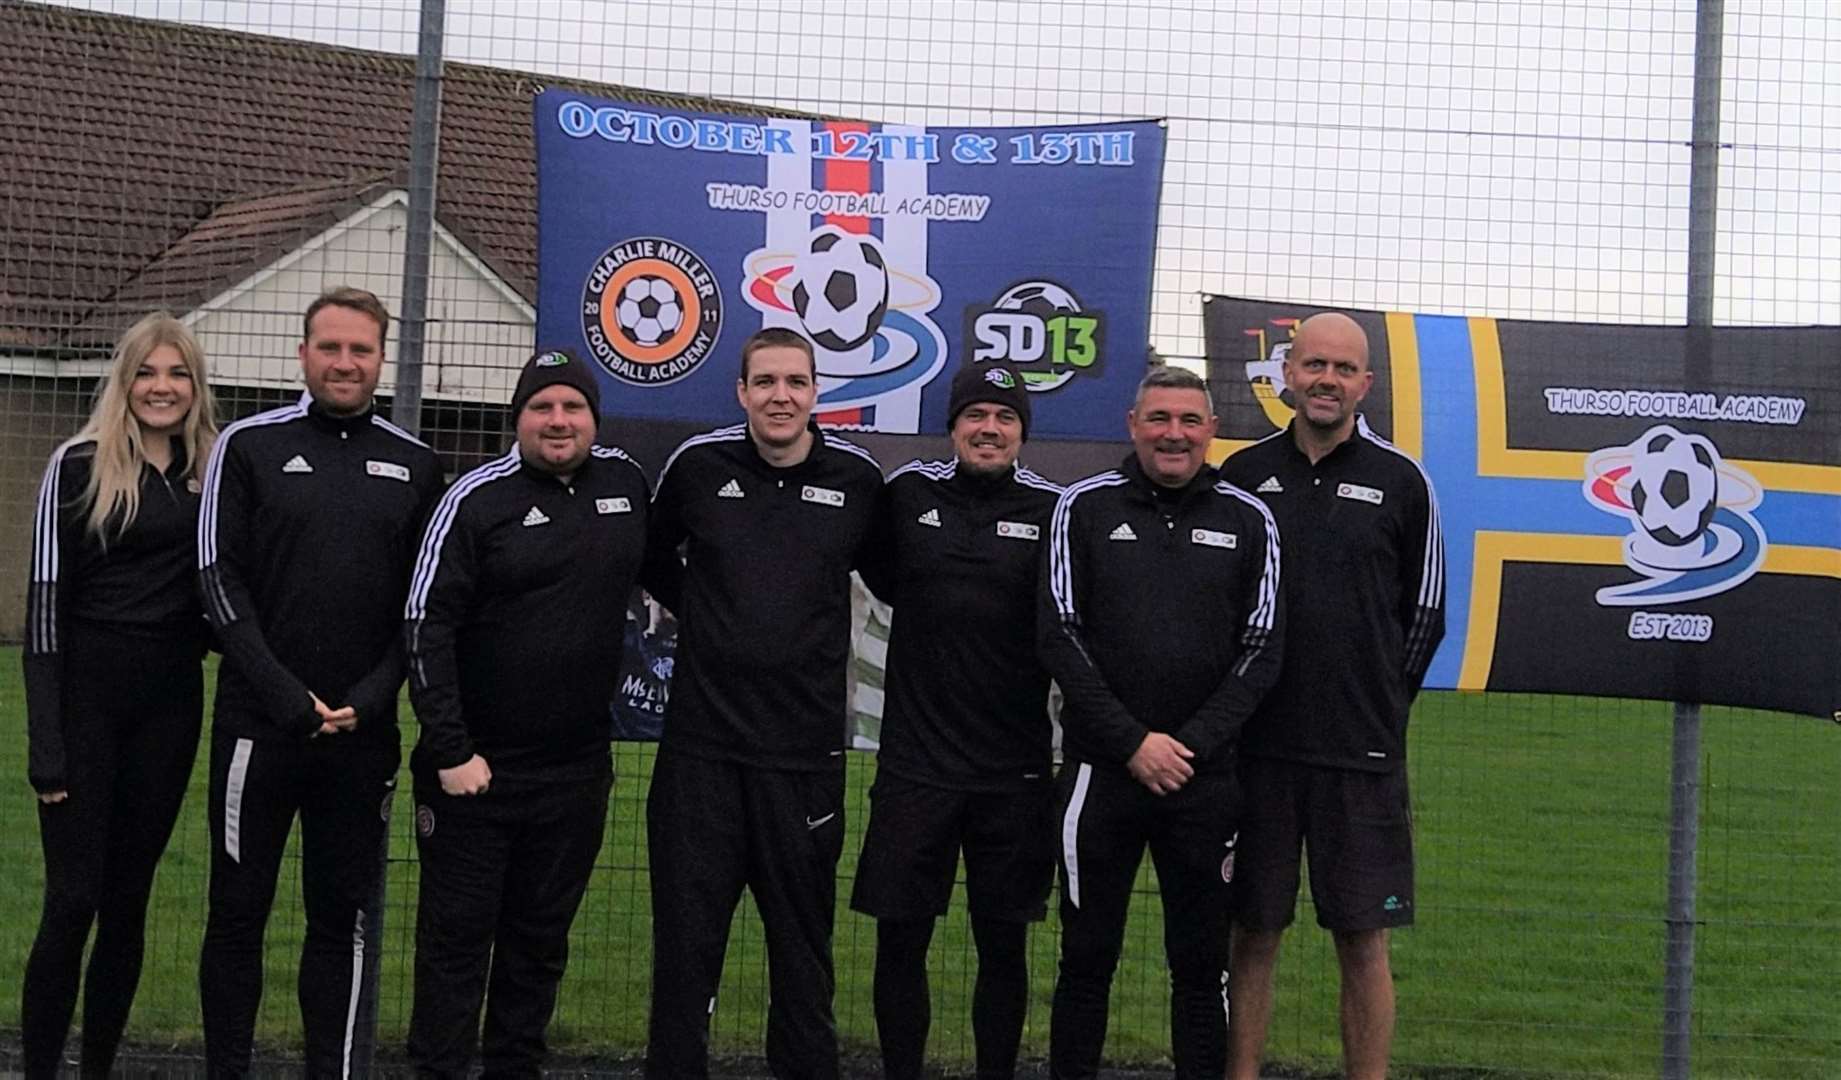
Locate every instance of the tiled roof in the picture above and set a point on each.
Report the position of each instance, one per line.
(149, 164)
(217, 252)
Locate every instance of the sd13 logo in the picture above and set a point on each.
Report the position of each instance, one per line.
(1041, 327)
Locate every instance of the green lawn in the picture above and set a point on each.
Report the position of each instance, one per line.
(1542, 835)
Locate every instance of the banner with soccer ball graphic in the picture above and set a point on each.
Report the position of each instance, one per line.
(1629, 511)
(665, 238)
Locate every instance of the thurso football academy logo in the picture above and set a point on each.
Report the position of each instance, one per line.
(651, 311)
(865, 315)
(1693, 534)
(1042, 327)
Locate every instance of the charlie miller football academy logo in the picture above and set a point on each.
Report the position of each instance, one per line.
(651, 311)
(1693, 534)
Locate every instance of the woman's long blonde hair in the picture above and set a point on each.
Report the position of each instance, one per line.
(113, 493)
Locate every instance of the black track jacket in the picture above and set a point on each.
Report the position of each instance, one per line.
(1159, 615)
(958, 555)
(141, 581)
(306, 535)
(763, 600)
(515, 613)
(1365, 593)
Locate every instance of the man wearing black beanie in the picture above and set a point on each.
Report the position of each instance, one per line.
(514, 630)
(965, 757)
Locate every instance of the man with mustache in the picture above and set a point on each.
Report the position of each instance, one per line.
(748, 787)
(1160, 618)
(965, 756)
(307, 529)
(1324, 758)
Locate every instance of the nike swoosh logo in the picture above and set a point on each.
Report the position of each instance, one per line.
(811, 824)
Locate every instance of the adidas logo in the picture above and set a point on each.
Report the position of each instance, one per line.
(1123, 532)
(931, 517)
(730, 490)
(297, 464)
(535, 517)
(1269, 486)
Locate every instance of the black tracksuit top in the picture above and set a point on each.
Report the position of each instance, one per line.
(958, 556)
(306, 535)
(139, 582)
(514, 621)
(1159, 613)
(1365, 596)
(763, 598)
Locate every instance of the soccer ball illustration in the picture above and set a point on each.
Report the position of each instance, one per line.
(649, 310)
(1044, 299)
(1674, 485)
(843, 289)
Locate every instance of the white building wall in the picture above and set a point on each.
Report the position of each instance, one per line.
(480, 332)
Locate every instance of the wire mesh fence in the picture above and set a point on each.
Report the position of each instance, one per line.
(1518, 160)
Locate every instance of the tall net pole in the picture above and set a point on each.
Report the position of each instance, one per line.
(424, 142)
(1684, 779)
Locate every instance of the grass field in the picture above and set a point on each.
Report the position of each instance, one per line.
(1542, 838)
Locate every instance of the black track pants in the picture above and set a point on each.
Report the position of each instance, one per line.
(713, 827)
(341, 786)
(1107, 821)
(503, 874)
(132, 708)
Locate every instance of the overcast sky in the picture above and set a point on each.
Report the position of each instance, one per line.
(1525, 160)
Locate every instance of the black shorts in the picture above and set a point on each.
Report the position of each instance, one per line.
(1355, 826)
(916, 831)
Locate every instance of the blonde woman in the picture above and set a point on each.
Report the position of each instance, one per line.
(114, 691)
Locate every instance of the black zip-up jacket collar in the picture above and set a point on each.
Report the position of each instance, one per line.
(1160, 495)
(763, 600)
(514, 619)
(306, 535)
(1159, 614)
(345, 424)
(1364, 592)
(957, 553)
(140, 580)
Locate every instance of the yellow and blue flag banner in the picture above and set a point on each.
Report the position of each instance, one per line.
(1629, 511)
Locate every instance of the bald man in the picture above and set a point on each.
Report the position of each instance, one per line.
(1323, 759)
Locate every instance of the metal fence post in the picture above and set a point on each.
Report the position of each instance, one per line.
(406, 406)
(1684, 775)
(424, 155)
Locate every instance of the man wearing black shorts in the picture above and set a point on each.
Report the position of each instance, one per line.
(966, 743)
(1324, 759)
(1161, 620)
(748, 787)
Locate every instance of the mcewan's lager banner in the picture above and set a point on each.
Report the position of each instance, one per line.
(666, 237)
(1632, 511)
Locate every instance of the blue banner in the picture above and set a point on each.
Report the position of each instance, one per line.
(665, 238)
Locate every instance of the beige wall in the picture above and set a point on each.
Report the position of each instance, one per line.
(480, 332)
